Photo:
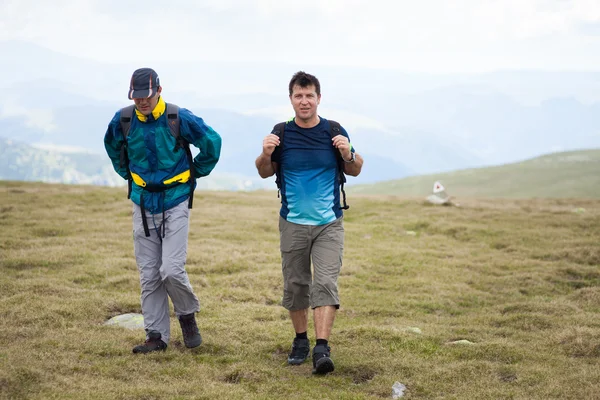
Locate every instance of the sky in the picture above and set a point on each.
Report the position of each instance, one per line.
(433, 36)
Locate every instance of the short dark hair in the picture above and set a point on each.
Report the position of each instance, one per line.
(303, 80)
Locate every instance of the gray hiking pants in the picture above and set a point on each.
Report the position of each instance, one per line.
(161, 263)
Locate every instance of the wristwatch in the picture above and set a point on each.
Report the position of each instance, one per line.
(352, 158)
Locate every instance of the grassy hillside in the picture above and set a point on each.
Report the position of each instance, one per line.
(518, 279)
(567, 174)
(20, 161)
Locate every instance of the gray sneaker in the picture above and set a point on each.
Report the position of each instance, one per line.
(300, 351)
(189, 328)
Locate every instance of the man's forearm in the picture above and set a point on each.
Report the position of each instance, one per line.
(354, 168)
(264, 166)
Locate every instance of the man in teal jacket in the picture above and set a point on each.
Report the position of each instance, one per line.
(148, 145)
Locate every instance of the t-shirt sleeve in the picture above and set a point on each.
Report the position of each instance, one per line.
(345, 133)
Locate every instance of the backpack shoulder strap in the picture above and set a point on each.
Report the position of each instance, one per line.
(278, 130)
(173, 119)
(336, 129)
(174, 123)
(125, 120)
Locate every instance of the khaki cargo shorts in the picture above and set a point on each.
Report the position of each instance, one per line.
(324, 245)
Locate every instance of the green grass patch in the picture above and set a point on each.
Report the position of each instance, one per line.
(495, 299)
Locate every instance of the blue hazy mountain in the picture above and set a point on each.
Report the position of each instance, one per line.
(404, 124)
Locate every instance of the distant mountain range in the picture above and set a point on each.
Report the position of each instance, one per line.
(403, 124)
(22, 162)
(563, 174)
(573, 174)
(19, 161)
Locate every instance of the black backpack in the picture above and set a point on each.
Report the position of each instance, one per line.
(335, 129)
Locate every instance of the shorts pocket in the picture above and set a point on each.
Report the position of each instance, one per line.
(292, 236)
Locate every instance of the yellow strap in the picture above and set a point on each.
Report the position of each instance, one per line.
(181, 178)
(138, 180)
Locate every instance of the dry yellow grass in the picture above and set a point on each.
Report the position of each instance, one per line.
(519, 279)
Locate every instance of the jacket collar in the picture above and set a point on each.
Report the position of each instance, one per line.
(159, 110)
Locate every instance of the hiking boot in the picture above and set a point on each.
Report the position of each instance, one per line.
(189, 328)
(152, 343)
(300, 351)
(322, 362)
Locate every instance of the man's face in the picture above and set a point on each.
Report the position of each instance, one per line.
(146, 105)
(305, 102)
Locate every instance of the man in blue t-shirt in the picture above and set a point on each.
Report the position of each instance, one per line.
(310, 222)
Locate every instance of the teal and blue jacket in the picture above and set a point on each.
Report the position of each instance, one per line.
(155, 158)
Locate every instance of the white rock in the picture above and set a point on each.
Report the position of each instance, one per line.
(462, 341)
(398, 390)
(128, 321)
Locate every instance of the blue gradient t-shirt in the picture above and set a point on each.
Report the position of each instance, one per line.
(310, 193)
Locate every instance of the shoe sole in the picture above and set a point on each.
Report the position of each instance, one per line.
(323, 366)
(148, 351)
(193, 344)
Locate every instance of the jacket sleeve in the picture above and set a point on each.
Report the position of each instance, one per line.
(113, 139)
(195, 131)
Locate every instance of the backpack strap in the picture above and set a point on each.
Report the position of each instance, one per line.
(279, 130)
(335, 130)
(173, 119)
(174, 123)
(126, 115)
(125, 120)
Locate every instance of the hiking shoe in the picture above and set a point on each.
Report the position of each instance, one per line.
(152, 343)
(322, 362)
(189, 328)
(300, 351)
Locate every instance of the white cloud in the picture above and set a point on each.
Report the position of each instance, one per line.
(429, 35)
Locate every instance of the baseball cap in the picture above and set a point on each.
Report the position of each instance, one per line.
(144, 83)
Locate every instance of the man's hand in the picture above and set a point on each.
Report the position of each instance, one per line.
(269, 143)
(263, 163)
(341, 143)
